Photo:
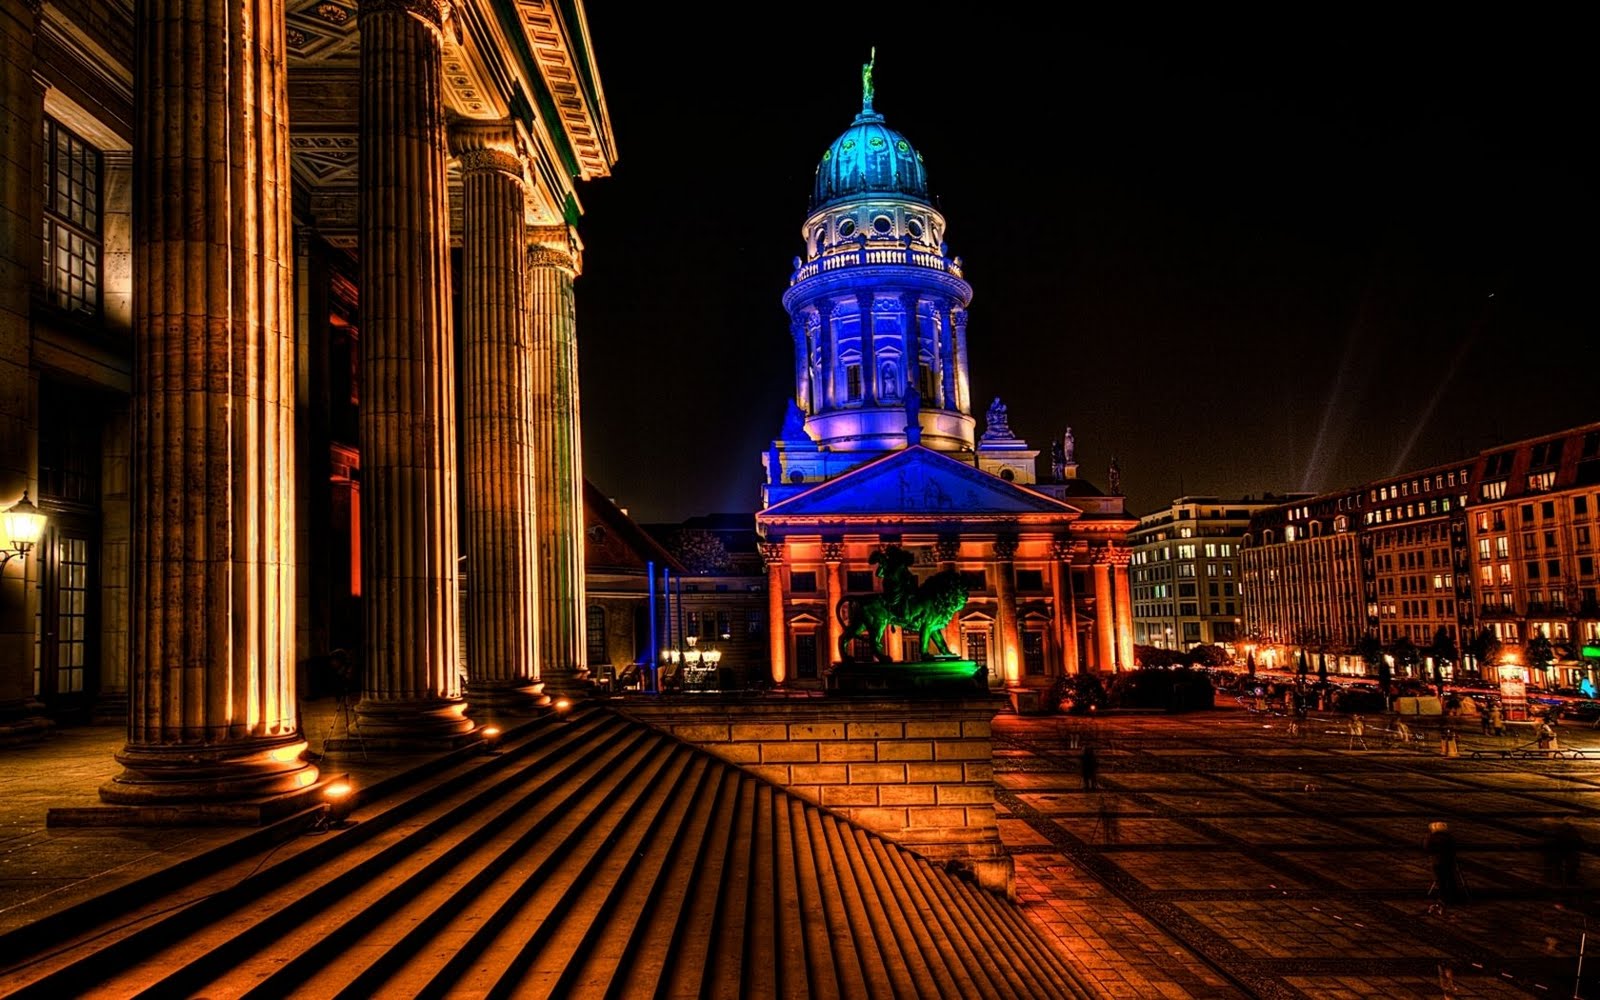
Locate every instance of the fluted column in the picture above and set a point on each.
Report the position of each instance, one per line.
(212, 701)
(830, 355)
(21, 122)
(1105, 627)
(558, 461)
(912, 336)
(963, 387)
(833, 559)
(1066, 605)
(947, 548)
(1005, 597)
(777, 632)
(409, 545)
(802, 364)
(869, 348)
(947, 363)
(1124, 616)
(502, 565)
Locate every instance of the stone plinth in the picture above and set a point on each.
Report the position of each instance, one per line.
(918, 771)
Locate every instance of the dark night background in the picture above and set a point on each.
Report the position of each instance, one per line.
(1238, 257)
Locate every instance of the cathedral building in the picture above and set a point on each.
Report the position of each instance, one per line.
(881, 446)
(286, 335)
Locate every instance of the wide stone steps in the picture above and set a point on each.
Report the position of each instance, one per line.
(592, 857)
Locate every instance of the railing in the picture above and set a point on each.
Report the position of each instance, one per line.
(865, 256)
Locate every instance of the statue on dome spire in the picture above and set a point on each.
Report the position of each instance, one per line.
(866, 82)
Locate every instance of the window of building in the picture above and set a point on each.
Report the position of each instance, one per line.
(724, 625)
(691, 623)
(1532, 569)
(1030, 579)
(1547, 510)
(802, 582)
(1552, 569)
(1502, 547)
(753, 622)
(852, 382)
(978, 647)
(975, 580)
(805, 655)
(1580, 506)
(72, 243)
(595, 632)
(858, 581)
(1033, 653)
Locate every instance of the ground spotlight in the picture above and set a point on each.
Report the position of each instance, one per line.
(491, 738)
(563, 707)
(340, 798)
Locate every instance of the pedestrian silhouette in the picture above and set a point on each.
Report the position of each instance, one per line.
(1447, 881)
(1107, 821)
(1091, 779)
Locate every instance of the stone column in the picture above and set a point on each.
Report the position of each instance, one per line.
(947, 548)
(802, 363)
(411, 695)
(1124, 616)
(869, 350)
(212, 699)
(913, 343)
(1066, 602)
(557, 460)
(963, 387)
(1105, 628)
(833, 558)
(502, 556)
(777, 633)
(116, 546)
(830, 354)
(21, 122)
(947, 361)
(1005, 597)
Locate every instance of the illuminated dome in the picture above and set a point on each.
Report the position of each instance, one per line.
(870, 158)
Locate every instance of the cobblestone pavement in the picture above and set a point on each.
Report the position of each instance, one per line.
(1223, 857)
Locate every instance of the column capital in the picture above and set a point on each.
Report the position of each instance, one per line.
(481, 146)
(543, 256)
(772, 553)
(947, 547)
(910, 300)
(1062, 549)
(832, 552)
(1005, 547)
(555, 246)
(434, 12)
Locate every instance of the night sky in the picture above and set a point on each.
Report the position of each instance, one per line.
(1237, 257)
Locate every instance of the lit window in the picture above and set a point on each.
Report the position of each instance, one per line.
(71, 220)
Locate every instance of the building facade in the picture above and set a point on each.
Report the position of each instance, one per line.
(276, 364)
(1499, 543)
(1186, 574)
(881, 447)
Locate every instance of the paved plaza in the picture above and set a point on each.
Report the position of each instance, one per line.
(1224, 857)
(1221, 856)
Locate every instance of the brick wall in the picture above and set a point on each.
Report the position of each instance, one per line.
(917, 772)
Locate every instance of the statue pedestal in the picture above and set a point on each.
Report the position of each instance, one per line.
(934, 678)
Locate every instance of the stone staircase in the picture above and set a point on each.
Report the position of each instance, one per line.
(591, 857)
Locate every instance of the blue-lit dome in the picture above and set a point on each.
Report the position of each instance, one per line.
(870, 158)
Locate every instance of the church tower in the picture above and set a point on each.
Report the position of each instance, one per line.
(877, 310)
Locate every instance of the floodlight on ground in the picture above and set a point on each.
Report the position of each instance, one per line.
(563, 707)
(340, 798)
(491, 738)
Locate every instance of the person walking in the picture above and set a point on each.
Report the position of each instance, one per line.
(1358, 732)
(1091, 765)
(1107, 821)
(1497, 720)
(1441, 848)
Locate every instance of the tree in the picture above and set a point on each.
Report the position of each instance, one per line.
(1541, 654)
(1443, 650)
(1209, 656)
(701, 552)
(1406, 654)
(1485, 648)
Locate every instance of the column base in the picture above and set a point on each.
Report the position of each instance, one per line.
(572, 682)
(411, 724)
(157, 775)
(494, 698)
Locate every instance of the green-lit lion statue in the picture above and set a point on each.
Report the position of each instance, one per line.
(925, 610)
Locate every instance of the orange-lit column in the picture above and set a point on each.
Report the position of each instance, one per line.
(502, 569)
(557, 459)
(947, 548)
(1124, 617)
(1005, 598)
(833, 558)
(212, 699)
(409, 547)
(1105, 625)
(778, 639)
(1066, 605)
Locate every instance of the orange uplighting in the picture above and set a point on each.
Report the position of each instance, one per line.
(340, 798)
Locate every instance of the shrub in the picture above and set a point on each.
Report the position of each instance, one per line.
(1178, 690)
(1078, 694)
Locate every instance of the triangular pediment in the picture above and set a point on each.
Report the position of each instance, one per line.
(919, 484)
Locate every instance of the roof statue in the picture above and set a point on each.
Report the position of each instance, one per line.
(1114, 478)
(1058, 462)
(866, 82)
(794, 423)
(1069, 444)
(996, 423)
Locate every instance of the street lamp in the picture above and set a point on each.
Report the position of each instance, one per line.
(23, 524)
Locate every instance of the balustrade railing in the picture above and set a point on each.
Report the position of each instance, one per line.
(867, 255)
